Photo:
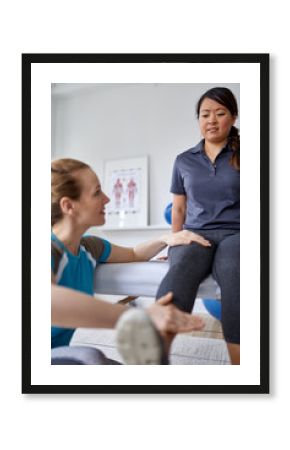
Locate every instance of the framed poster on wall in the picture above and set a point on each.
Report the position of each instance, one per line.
(126, 184)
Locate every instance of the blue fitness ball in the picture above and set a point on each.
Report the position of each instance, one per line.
(167, 213)
(213, 306)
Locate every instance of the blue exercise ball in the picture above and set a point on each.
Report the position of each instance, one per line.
(167, 213)
(213, 306)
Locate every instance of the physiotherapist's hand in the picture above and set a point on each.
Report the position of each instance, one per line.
(169, 320)
(185, 237)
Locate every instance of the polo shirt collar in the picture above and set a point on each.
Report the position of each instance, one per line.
(199, 148)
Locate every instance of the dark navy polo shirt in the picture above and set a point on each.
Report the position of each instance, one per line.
(212, 190)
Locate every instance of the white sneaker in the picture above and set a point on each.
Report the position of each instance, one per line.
(138, 340)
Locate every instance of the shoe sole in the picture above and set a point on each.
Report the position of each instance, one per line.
(137, 339)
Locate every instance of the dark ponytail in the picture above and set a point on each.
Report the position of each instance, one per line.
(234, 143)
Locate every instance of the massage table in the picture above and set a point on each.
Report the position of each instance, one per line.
(141, 279)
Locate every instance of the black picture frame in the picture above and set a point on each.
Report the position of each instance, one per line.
(263, 61)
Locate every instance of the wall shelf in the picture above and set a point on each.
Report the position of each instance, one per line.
(145, 228)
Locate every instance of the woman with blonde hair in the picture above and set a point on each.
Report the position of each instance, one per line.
(78, 203)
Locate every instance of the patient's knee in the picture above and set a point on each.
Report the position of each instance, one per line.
(191, 252)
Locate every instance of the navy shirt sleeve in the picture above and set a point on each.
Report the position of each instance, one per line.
(212, 190)
(177, 186)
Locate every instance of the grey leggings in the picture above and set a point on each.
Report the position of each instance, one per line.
(79, 355)
(190, 264)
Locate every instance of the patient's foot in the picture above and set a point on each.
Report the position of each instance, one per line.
(138, 340)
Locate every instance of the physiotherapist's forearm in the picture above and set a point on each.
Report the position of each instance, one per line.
(73, 309)
(147, 250)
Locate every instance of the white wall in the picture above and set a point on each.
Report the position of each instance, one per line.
(96, 122)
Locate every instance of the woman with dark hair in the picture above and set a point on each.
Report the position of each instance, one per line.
(206, 200)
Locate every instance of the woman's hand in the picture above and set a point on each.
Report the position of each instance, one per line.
(184, 237)
(146, 250)
(170, 320)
